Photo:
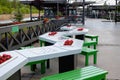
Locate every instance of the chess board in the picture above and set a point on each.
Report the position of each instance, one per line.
(12, 65)
(42, 53)
(43, 50)
(13, 57)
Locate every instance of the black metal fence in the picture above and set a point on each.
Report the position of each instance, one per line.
(14, 36)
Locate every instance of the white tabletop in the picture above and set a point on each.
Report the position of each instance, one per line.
(47, 52)
(67, 28)
(76, 45)
(59, 40)
(53, 38)
(76, 32)
(12, 65)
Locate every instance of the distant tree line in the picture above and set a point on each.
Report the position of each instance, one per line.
(10, 6)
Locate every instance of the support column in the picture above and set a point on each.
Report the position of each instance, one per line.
(30, 12)
(57, 7)
(83, 17)
(39, 18)
(115, 11)
(66, 63)
(15, 76)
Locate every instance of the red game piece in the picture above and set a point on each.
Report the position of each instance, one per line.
(52, 33)
(80, 29)
(68, 42)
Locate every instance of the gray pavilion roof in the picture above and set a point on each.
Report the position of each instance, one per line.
(53, 3)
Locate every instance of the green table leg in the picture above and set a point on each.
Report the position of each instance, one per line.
(43, 67)
(41, 43)
(33, 67)
(86, 60)
(95, 58)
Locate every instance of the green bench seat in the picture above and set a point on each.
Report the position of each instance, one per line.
(88, 52)
(86, 73)
(42, 62)
(92, 37)
(90, 43)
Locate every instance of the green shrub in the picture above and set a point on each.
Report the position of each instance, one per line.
(5, 10)
(7, 7)
(17, 15)
(24, 10)
(35, 11)
(0, 11)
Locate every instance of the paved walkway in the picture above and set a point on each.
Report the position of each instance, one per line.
(108, 55)
(109, 45)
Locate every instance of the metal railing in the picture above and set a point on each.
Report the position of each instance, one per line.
(14, 36)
